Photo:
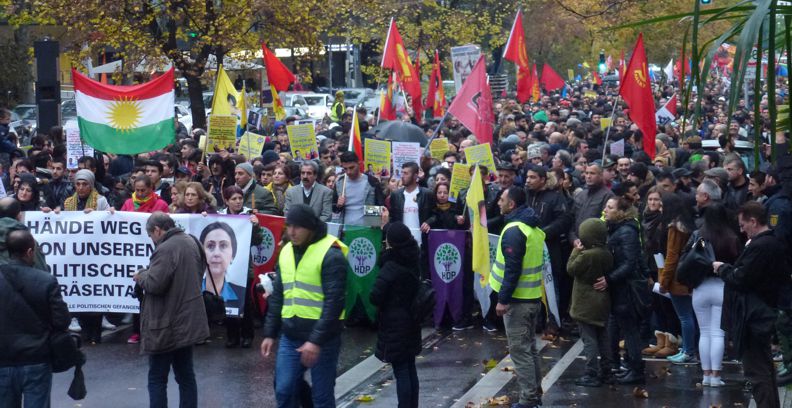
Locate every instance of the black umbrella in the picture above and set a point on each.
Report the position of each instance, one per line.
(400, 131)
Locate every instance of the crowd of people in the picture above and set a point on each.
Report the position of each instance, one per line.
(608, 221)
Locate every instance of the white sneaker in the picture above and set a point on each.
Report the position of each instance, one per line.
(716, 382)
(706, 381)
(127, 319)
(106, 325)
(74, 326)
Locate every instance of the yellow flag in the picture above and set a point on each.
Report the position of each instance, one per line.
(223, 89)
(277, 105)
(476, 204)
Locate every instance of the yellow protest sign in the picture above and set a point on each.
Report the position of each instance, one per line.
(438, 148)
(571, 74)
(481, 154)
(604, 123)
(590, 94)
(302, 140)
(222, 132)
(250, 145)
(460, 180)
(378, 158)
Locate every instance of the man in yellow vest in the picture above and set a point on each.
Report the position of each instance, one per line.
(517, 277)
(306, 309)
(338, 108)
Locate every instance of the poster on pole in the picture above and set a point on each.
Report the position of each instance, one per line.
(302, 140)
(251, 144)
(222, 133)
(460, 180)
(404, 152)
(481, 154)
(464, 58)
(378, 158)
(95, 255)
(75, 148)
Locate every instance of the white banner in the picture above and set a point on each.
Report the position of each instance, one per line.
(463, 58)
(95, 255)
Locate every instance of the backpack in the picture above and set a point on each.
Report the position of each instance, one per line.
(423, 303)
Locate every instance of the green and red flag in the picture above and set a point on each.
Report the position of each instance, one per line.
(125, 119)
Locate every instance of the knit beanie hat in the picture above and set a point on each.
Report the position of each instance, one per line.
(247, 167)
(301, 215)
(398, 235)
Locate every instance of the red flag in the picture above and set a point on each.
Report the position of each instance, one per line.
(473, 104)
(277, 74)
(387, 110)
(535, 91)
(550, 79)
(435, 95)
(597, 79)
(517, 53)
(671, 105)
(395, 57)
(356, 140)
(637, 92)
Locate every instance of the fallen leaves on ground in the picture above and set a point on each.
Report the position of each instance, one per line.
(498, 401)
(640, 392)
(489, 364)
(364, 398)
(508, 369)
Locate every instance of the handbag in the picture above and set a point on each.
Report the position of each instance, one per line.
(696, 263)
(213, 302)
(64, 347)
(641, 297)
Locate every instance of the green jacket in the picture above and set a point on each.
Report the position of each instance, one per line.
(586, 266)
(8, 224)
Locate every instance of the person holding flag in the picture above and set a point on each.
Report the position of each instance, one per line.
(636, 90)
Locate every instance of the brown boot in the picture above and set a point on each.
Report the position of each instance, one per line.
(671, 346)
(659, 344)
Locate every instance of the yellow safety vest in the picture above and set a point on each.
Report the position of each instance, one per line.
(302, 283)
(530, 284)
(334, 116)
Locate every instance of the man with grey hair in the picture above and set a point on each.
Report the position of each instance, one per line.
(172, 314)
(310, 193)
(707, 193)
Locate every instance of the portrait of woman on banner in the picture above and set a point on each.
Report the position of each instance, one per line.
(220, 244)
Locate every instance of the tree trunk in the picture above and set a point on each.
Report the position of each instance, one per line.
(196, 100)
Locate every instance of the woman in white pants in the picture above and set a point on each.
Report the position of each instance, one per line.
(708, 295)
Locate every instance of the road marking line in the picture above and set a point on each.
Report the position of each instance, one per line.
(493, 381)
(561, 365)
(362, 371)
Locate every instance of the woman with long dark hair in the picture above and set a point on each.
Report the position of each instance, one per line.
(399, 334)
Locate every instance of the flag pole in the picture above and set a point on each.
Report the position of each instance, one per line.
(607, 132)
(436, 131)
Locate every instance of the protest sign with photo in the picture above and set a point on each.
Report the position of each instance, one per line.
(75, 148)
(404, 152)
(222, 133)
(251, 144)
(302, 139)
(95, 255)
(378, 158)
(460, 180)
(481, 154)
(463, 58)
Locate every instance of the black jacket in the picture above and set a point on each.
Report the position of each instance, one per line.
(756, 284)
(57, 191)
(329, 325)
(25, 294)
(513, 248)
(395, 204)
(624, 243)
(554, 212)
(443, 219)
(399, 333)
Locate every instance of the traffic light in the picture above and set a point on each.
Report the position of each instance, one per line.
(602, 67)
(192, 34)
(706, 2)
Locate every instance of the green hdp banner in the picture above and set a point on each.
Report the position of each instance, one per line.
(364, 250)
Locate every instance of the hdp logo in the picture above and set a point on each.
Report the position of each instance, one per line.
(362, 256)
(262, 253)
(447, 262)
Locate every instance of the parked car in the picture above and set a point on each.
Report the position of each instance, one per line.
(293, 98)
(354, 96)
(744, 148)
(318, 105)
(184, 116)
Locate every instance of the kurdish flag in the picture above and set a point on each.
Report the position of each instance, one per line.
(125, 119)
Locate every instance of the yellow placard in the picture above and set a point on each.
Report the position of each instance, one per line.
(250, 145)
(604, 123)
(590, 94)
(460, 180)
(302, 140)
(438, 148)
(481, 154)
(222, 132)
(571, 74)
(378, 158)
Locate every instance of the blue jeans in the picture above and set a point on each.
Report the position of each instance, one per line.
(33, 381)
(406, 383)
(683, 305)
(289, 372)
(159, 368)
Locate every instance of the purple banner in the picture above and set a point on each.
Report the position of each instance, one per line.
(446, 257)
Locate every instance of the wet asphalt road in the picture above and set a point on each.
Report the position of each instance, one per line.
(450, 365)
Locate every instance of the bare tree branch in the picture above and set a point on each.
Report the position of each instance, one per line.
(594, 14)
